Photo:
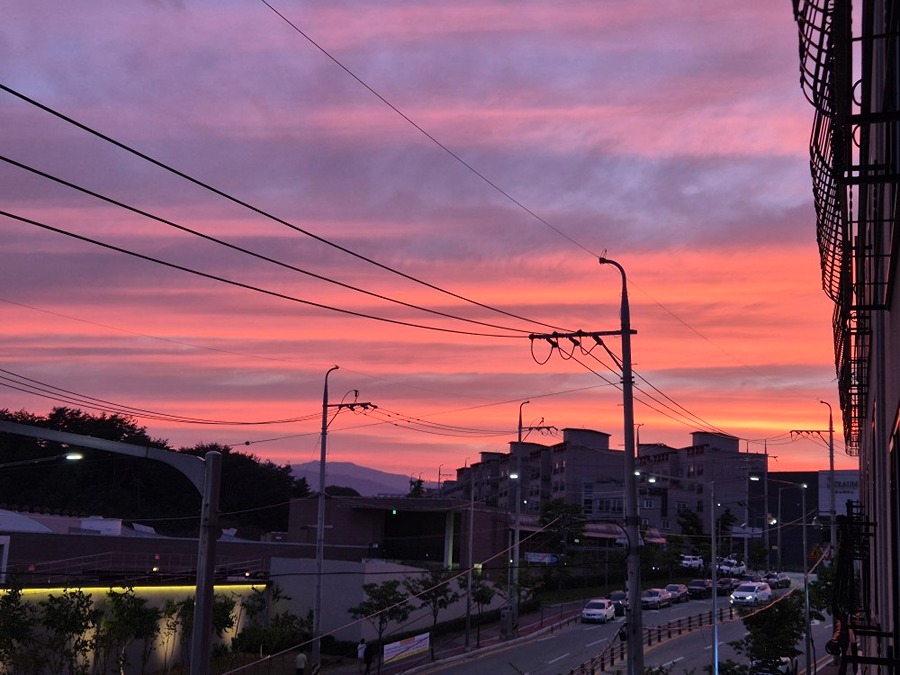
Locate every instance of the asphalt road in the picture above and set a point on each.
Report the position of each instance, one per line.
(566, 650)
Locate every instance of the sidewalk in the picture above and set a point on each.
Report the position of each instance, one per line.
(452, 647)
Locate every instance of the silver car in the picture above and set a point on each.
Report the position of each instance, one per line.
(599, 610)
(654, 598)
(751, 593)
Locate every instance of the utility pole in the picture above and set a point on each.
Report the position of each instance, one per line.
(634, 622)
(832, 511)
(320, 520)
(513, 591)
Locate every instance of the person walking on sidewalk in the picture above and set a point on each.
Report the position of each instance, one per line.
(368, 657)
(361, 655)
(300, 663)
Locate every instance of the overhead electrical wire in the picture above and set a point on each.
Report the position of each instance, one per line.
(250, 287)
(316, 237)
(255, 209)
(425, 133)
(492, 184)
(18, 382)
(241, 249)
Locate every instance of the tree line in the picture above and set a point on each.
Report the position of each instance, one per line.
(255, 493)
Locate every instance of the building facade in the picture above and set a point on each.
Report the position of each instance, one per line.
(850, 74)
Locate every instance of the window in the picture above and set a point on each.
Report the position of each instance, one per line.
(664, 524)
(606, 505)
(647, 503)
(587, 497)
(681, 506)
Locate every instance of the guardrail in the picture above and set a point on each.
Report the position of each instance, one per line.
(615, 653)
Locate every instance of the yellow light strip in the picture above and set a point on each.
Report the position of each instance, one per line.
(137, 589)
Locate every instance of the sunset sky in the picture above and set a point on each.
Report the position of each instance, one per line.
(408, 190)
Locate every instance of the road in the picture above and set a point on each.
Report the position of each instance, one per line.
(565, 650)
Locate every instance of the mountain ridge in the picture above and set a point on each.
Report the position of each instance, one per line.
(367, 482)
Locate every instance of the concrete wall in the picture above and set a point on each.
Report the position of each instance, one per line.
(342, 584)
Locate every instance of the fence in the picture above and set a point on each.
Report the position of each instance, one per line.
(615, 653)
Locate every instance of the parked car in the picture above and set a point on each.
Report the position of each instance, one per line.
(679, 592)
(751, 593)
(619, 599)
(656, 598)
(725, 586)
(692, 562)
(700, 588)
(598, 610)
(777, 580)
(732, 567)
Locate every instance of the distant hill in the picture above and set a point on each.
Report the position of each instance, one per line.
(367, 482)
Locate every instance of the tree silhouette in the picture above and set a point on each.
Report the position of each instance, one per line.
(385, 603)
(434, 591)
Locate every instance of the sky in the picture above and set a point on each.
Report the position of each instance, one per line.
(209, 204)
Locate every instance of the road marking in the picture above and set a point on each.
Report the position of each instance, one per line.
(596, 642)
(672, 663)
(558, 658)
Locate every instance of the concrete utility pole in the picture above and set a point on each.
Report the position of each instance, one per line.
(632, 520)
(634, 621)
(832, 513)
(205, 475)
(517, 528)
(320, 520)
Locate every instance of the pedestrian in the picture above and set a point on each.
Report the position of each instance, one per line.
(368, 657)
(361, 655)
(300, 663)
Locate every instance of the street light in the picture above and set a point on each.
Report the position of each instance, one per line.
(204, 473)
(802, 487)
(517, 476)
(632, 520)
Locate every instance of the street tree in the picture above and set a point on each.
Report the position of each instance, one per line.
(483, 593)
(17, 631)
(385, 603)
(434, 590)
(765, 646)
(127, 619)
(68, 621)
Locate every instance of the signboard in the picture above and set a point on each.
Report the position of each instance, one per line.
(541, 558)
(846, 487)
(402, 649)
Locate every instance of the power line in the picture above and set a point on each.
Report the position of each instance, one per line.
(425, 133)
(249, 206)
(28, 385)
(241, 249)
(250, 287)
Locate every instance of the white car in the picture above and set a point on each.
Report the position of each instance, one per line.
(732, 567)
(692, 562)
(751, 593)
(599, 610)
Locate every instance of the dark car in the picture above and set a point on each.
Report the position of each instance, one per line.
(700, 588)
(679, 592)
(619, 600)
(725, 586)
(777, 580)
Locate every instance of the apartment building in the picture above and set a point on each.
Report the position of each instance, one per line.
(850, 74)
